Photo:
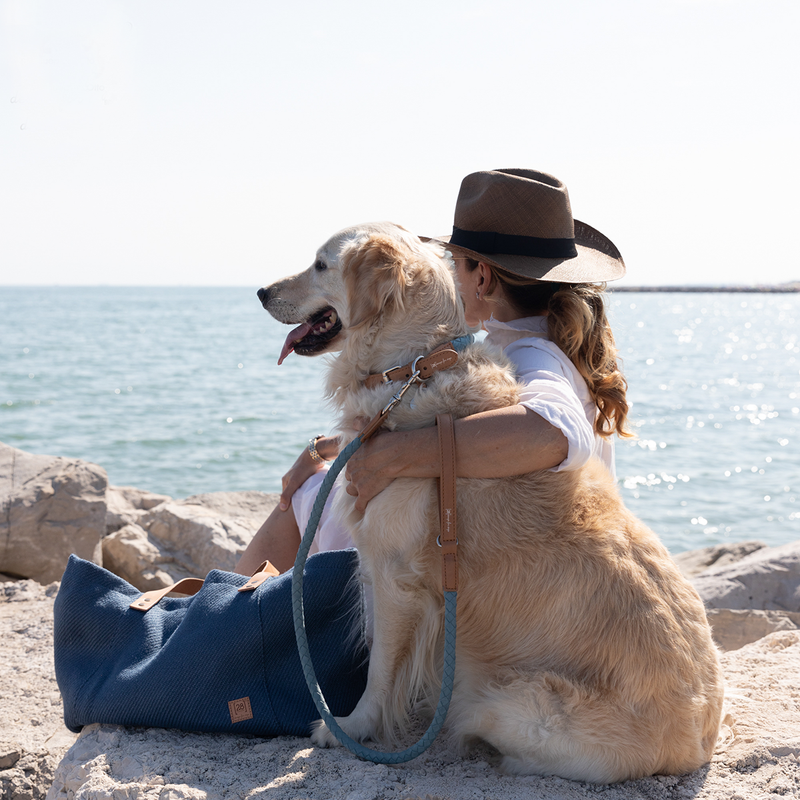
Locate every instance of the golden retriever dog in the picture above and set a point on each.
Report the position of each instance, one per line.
(581, 650)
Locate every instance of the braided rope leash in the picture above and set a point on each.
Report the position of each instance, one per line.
(447, 541)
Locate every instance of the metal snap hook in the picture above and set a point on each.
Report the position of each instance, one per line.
(396, 398)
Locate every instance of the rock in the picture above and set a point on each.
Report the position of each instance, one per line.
(135, 557)
(51, 507)
(768, 579)
(126, 505)
(734, 628)
(693, 562)
(184, 538)
(757, 756)
(745, 587)
(33, 738)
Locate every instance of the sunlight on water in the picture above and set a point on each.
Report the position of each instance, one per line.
(715, 382)
(178, 391)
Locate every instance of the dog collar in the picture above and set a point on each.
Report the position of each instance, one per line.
(443, 357)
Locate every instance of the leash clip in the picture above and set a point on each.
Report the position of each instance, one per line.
(396, 398)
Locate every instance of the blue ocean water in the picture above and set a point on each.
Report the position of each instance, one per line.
(178, 391)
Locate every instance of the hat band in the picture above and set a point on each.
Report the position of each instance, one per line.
(511, 244)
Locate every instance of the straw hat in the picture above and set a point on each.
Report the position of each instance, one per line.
(521, 221)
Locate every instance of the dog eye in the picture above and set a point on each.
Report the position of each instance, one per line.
(320, 266)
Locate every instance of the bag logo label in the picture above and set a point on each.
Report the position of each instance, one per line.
(240, 709)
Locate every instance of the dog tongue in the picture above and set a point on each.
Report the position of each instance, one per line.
(296, 335)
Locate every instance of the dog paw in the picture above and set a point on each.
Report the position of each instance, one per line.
(322, 736)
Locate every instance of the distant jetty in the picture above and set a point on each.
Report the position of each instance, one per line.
(778, 288)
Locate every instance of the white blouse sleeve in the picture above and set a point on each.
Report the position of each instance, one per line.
(557, 392)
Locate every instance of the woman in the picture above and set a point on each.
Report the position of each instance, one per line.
(527, 273)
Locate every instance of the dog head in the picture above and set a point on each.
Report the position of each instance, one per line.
(362, 276)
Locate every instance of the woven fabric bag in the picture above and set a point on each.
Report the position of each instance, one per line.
(222, 660)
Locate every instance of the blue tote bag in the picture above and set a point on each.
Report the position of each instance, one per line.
(222, 660)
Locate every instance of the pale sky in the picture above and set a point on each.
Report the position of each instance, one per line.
(202, 142)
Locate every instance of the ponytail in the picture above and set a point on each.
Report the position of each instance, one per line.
(577, 324)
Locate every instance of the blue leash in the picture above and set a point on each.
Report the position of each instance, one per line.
(448, 674)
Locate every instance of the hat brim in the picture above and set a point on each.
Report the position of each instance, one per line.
(598, 259)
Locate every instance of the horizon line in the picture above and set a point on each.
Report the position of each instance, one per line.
(785, 286)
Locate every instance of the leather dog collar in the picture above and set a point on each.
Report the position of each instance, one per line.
(443, 357)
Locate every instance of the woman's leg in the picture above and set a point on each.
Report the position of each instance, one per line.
(277, 540)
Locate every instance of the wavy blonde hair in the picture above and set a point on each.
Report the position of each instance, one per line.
(578, 325)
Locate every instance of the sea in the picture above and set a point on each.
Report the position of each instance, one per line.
(178, 391)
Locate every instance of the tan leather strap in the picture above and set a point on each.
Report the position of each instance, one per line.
(151, 598)
(448, 539)
(373, 425)
(443, 357)
(265, 571)
(191, 586)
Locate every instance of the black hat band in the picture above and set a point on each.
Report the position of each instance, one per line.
(513, 244)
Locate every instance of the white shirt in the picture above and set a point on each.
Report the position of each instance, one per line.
(553, 388)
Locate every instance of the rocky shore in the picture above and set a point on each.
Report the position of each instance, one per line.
(52, 506)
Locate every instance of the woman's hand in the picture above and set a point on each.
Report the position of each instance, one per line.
(389, 455)
(305, 467)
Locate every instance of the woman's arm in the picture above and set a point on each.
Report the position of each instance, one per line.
(278, 538)
(493, 444)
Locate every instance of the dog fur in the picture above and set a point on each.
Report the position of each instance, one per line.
(581, 650)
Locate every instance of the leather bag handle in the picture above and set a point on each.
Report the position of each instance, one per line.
(191, 586)
(146, 601)
(265, 571)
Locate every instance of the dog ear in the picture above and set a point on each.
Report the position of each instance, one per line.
(374, 277)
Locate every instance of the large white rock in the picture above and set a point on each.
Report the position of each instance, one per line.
(733, 628)
(130, 553)
(757, 756)
(49, 507)
(767, 579)
(184, 538)
(126, 505)
(693, 562)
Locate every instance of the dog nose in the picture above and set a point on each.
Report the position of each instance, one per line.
(263, 296)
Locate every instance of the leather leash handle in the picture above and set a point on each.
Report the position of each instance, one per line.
(373, 425)
(448, 539)
(191, 586)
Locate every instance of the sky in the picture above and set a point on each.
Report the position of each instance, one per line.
(199, 142)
